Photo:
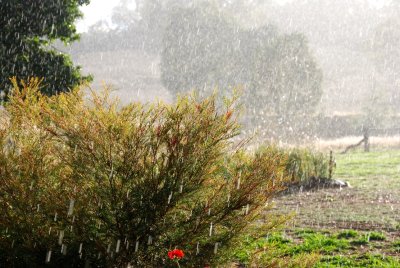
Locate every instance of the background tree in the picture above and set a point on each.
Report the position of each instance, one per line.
(28, 30)
(204, 49)
(385, 55)
(196, 47)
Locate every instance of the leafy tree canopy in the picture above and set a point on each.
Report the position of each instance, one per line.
(27, 32)
(203, 49)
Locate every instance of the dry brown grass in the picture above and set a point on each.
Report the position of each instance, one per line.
(338, 145)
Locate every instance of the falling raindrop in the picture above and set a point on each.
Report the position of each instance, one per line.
(169, 198)
(137, 246)
(211, 229)
(55, 216)
(117, 247)
(181, 188)
(80, 248)
(60, 237)
(197, 248)
(64, 249)
(247, 209)
(150, 240)
(48, 256)
(71, 207)
(216, 247)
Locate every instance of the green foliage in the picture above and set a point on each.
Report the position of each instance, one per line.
(28, 30)
(361, 241)
(367, 260)
(347, 234)
(396, 245)
(273, 251)
(204, 49)
(376, 236)
(128, 184)
(302, 166)
(310, 249)
(318, 242)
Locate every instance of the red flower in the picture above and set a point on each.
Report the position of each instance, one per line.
(176, 253)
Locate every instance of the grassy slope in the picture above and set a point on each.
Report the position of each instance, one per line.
(371, 207)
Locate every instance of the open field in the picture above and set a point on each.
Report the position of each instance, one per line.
(369, 213)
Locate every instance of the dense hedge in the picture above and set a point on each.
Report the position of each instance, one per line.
(84, 181)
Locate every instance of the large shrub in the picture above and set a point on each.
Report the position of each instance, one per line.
(86, 182)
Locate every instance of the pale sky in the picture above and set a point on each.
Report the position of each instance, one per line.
(102, 10)
(97, 10)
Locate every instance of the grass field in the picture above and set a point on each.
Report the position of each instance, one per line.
(349, 227)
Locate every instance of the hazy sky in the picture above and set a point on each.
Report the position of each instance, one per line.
(97, 10)
(102, 9)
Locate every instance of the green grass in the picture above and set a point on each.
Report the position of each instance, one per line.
(396, 246)
(366, 260)
(347, 234)
(376, 236)
(362, 221)
(371, 169)
(336, 249)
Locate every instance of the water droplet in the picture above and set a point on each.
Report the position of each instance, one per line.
(197, 248)
(211, 229)
(80, 248)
